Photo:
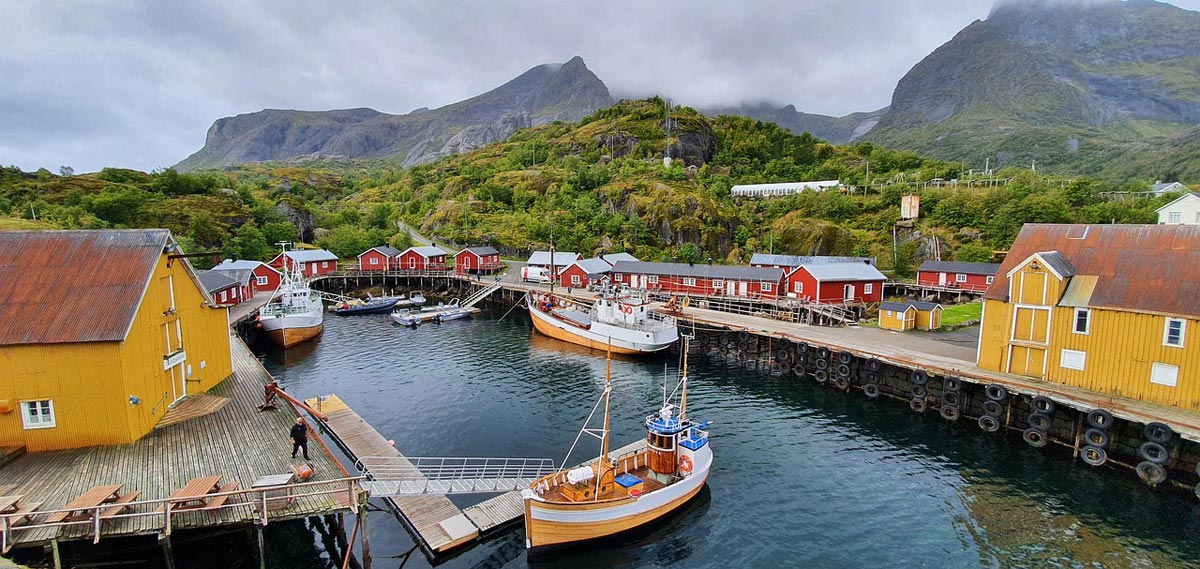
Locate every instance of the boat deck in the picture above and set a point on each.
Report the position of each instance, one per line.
(649, 484)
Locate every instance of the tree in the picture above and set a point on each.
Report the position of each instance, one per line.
(115, 204)
(203, 229)
(278, 232)
(689, 253)
(247, 243)
(345, 241)
(66, 171)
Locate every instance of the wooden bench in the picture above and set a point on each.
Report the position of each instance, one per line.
(119, 505)
(24, 513)
(213, 505)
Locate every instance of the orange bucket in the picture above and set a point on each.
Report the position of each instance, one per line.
(304, 471)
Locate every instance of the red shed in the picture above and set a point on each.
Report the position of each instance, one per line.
(692, 279)
(836, 283)
(254, 276)
(423, 259)
(382, 258)
(312, 262)
(477, 261)
(222, 288)
(976, 277)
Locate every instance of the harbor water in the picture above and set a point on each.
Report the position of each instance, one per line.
(804, 476)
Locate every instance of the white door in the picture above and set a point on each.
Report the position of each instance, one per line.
(941, 279)
(729, 287)
(849, 293)
(742, 288)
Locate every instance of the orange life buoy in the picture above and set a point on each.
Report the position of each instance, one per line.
(626, 309)
(685, 464)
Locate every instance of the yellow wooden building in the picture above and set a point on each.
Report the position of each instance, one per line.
(1111, 308)
(929, 315)
(898, 316)
(100, 333)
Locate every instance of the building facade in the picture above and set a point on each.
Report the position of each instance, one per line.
(424, 258)
(1184, 210)
(257, 276)
(313, 262)
(975, 277)
(700, 280)
(382, 258)
(477, 261)
(836, 283)
(121, 329)
(1110, 308)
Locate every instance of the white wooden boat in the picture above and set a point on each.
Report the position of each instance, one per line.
(294, 313)
(616, 320)
(612, 495)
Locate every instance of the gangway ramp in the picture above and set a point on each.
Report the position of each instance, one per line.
(481, 294)
(414, 476)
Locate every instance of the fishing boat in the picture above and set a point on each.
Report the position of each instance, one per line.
(616, 318)
(293, 314)
(369, 306)
(609, 496)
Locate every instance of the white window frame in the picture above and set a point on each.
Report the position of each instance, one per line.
(889, 314)
(960, 277)
(223, 297)
(48, 408)
(575, 280)
(324, 264)
(652, 279)
(1174, 217)
(689, 281)
(990, 279)
(1198, 217)
(374, 260)
(799, 287)
(868, 288)
(1164, 374)
(766, 287)
(1087, 321)
(1068, 357)
(1167, 332)
(718, 283)
(260, 280)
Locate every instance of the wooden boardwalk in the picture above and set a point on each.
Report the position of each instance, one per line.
(236, 441)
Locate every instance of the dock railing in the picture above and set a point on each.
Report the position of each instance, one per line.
(164, 508)
(406, 476)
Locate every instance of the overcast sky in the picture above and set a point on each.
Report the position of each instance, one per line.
(137, 84)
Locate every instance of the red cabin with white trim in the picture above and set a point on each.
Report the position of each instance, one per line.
(700, 280)
(382, 258)
(313, 262)
(477, 261)
(975, 277)
(836, 283)
(426, 258)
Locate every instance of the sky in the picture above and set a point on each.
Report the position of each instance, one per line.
(136, 84)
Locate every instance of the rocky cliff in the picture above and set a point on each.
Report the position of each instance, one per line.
(838, 130)
(541, 95)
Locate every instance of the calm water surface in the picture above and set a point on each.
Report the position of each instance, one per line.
(804, 476)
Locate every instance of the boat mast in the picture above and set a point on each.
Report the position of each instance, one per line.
(607, 396)
(683, 395)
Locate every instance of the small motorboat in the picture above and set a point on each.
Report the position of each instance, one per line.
(410, 318)
(414, 299)
(368, 306)
(452, 313)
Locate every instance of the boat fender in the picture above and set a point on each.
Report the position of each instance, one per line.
(822, 364)
(823, 353)
(1159, 432)
(1096, 437)
(917, 405)
(1042, 404)
(952, 384)
(1039, 421)
(801, 347)
(919, 377)
(1093, 456)
(1036, 438)
(989, 424)
(919, 391)
(821, 376)
(842, 383)
(1153, 452)
(952, 398)
(743, 335)
(845, 357)
(1099, 419)
(996, 392)
(950, 413)
(843, 370)
(993, 408)
(799, 371)
(871, 390)
(874, 364)
(1151, 473)
(685, 464)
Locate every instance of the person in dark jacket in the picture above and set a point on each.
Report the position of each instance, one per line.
(299, 437)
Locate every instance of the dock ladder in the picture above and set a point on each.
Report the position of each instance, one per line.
(393, 476)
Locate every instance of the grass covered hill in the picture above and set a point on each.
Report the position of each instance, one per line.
(593, 186)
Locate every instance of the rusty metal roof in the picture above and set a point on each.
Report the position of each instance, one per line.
(74, 286)
(1140, 268)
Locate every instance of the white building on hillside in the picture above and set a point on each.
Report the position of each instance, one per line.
(784, 189)
(1185, 210)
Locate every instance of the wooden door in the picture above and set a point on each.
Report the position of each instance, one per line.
(848, 293)
(1027, 361)
(941, 279)
(1031, 324)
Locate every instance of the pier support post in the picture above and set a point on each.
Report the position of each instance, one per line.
(262, 547)
(366, 541)
(54, 552)
(168, 552)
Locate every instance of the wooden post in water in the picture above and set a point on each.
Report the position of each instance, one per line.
(168, 552)
(54, 552)
(366, 541)
(262, 547)
(1078, 434)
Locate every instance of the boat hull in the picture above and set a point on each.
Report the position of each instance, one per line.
(288, 337)
(554, 328)
(556, 524)
(291, 329)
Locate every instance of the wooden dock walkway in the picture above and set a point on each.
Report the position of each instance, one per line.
(235, 441)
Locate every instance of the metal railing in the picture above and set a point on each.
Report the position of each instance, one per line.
(163, 509)
(411, 476)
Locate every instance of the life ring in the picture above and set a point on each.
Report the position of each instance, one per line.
(626, 309)
(685, 464)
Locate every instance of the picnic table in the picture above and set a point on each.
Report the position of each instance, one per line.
(81, 508)
(195, 495)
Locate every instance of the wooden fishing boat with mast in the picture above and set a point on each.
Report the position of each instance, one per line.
(607, 497)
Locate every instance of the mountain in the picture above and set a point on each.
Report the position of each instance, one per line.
(544, 94)
(1069, 83)
(838, 130)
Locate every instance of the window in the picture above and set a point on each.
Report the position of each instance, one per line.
(652, 279)
(1164, 374)
(960, 278)
(1173, 332)
(374, 260)
(990, 279)
(37, 414)
(889, 314)
(324, 264)
(798, 287)
(1174, 217)
(718, 284)
(222, 297)
(1072, 359)
(1198, 217)
(575, 280)
(260, 281)
(689, 281)
(1083, 321)
(867, 288)
(765, 287)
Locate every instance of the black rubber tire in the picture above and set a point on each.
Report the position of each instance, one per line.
(823, 353)
(842, 370)
(874, 364)
(744, 336)
(952, 398)
(784, 367)
(952, 384)
(1099, 419)
(1036, 438)
(1151, 473)
(776, 368)
(989, 424)
(1159, 433)
(1040, 421)
(993, 408)
(917, 405)
(799, 372)
(783, 355)
(1096, 437)
(1198, 490)
(871, 390)
(1093, 455)
(950, 413)
(919, 391)
(1153, 452)
(919, 377)
(801, 348)
(871, 377)
(996, 392)
(842, 383)
(822, 364)
(845, 357)
(821, 376)
(802, 359)
(1042, 404)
